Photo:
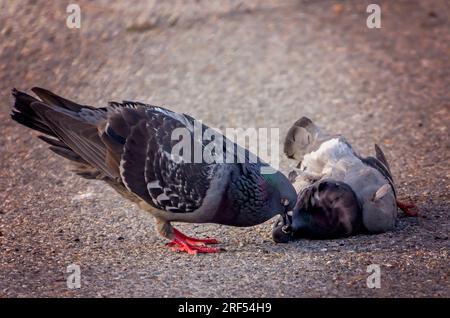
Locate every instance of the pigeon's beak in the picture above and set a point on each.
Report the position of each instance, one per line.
(287, 220)
(282, 231)
(286, 215)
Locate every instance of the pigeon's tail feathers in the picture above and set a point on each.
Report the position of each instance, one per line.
(25, 115)
(60, 148)
(69, 128)
(77, 130)
(52, 99)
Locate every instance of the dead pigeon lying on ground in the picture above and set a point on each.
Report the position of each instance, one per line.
(129, 145)
(339, 192)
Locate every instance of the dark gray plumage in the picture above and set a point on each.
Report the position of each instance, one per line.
(129, 145)
(325, 209)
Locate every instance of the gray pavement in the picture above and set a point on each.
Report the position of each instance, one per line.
(237, 64)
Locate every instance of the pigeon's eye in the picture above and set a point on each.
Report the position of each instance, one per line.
(284, 202)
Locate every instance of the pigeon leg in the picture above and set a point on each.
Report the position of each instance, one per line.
(193, 240)
(183, 243)
(409, 209)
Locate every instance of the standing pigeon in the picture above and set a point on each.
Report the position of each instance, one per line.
(129, 146)
(329, 171)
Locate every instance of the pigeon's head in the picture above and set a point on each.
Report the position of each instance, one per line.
(282, 230)
(282, 194)
(326, 209)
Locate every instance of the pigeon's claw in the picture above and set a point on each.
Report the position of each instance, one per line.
(191, 245)
(179, 245)
(193, 240)
(410, 209)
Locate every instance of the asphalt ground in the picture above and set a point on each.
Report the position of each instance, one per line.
(233, 64)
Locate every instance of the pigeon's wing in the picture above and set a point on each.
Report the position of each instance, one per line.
(380, 164)
(379, 154)
(127, 144)
(143, 139)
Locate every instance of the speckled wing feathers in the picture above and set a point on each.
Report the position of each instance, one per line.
(147, 167)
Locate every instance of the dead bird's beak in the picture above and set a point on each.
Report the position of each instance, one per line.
(287, 221)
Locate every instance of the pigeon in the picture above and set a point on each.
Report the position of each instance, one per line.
(333, 179)
(130, 146)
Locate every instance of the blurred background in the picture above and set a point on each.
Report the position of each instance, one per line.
(230, 64)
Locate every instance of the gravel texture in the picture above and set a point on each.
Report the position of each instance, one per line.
(233, 64)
